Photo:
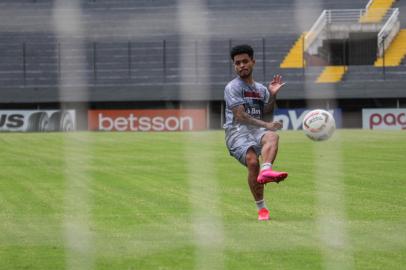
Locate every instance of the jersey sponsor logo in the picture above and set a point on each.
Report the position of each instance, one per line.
(254, 111)
(252, 95)
(253, 104)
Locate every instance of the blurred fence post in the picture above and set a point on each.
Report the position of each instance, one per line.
(222, 114)
(208, 115)
(230, 71)
(196, 62)
(343, 60)
(164, 60)
(94, 61)
(383, 58)
(59, 59)
(129, 59)
(24, 63)
(263, 59)
(303, 56)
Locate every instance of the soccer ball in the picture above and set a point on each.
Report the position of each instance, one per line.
(319, 125)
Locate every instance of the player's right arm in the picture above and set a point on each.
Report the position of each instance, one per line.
(241, 116)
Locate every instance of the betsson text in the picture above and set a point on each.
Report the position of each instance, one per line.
(144, 123)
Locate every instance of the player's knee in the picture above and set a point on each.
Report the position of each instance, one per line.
(252, 162)
(271, 137)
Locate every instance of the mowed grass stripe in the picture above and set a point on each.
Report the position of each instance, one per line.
(140, 211)
(30, 198)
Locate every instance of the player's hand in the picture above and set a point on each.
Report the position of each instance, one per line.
(274, 126)
(275, 85)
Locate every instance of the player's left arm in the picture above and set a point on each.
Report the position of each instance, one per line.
(273, 87)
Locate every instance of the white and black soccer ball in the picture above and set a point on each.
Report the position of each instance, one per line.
(319, 125)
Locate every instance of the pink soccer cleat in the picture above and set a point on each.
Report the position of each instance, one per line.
(263, 214)
(268, 175)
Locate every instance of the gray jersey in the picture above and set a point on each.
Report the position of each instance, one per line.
(253, 97)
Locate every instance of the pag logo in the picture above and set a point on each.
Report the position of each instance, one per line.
(384, 118)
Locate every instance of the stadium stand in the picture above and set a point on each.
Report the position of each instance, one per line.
(376, 10)
(395, 53)
(136, 46)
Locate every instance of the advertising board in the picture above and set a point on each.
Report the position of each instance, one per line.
(147, 120)
(293, 118)
(394, 119)
(37, 120)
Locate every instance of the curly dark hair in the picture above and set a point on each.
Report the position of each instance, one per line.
(241, 49)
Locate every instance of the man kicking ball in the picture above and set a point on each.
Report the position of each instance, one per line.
(248, 136)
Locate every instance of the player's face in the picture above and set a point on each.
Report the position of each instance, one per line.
(243, 65)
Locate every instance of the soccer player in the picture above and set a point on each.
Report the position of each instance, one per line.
(247, 135)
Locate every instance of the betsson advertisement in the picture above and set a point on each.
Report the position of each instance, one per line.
(147, 120)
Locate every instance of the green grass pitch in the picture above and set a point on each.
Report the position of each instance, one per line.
(179, 201)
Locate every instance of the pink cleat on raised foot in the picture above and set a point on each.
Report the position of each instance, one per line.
(268, 175)
(263, 214)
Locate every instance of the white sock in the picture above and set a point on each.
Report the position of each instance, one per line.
(260, 204)
(265, 166)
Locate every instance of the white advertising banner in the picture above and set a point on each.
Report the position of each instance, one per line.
(293, 118)
(37, 120)
(394, 119)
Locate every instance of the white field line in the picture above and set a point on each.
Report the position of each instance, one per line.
(78, 239)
